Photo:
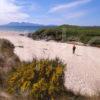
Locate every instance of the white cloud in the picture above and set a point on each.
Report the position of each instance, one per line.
(68, 5)
(75, 15)
(61, 19)
(9, 12)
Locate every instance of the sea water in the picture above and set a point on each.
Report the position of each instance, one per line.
(25, 29)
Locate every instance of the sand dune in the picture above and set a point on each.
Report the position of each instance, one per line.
(82, 74)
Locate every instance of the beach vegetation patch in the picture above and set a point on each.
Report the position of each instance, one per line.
(42, 79)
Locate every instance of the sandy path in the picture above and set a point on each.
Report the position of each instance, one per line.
(82, 74)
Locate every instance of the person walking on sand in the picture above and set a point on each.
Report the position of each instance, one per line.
(74, 48)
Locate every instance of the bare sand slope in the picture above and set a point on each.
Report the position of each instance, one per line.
(82, 74)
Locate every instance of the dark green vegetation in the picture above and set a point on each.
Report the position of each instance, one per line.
(65, 33)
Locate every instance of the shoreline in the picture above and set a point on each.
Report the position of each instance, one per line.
(12, 33)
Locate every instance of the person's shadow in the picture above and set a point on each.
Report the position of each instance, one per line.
(78, 55)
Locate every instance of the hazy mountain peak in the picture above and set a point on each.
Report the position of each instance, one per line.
(22, 24)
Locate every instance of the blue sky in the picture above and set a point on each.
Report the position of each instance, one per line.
(77, 12)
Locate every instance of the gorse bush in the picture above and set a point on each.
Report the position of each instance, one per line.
(42, 79)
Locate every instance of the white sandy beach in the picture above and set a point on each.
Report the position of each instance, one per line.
(82, 73)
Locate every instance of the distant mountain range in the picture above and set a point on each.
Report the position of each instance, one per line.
(23, 26)
(26, 24)
(14, 24)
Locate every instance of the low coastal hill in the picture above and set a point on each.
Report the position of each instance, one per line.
(68, 33)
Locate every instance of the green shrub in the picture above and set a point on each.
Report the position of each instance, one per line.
(42, 79)
(66, 33)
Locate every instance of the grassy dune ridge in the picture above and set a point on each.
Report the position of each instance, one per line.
(65, 33)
